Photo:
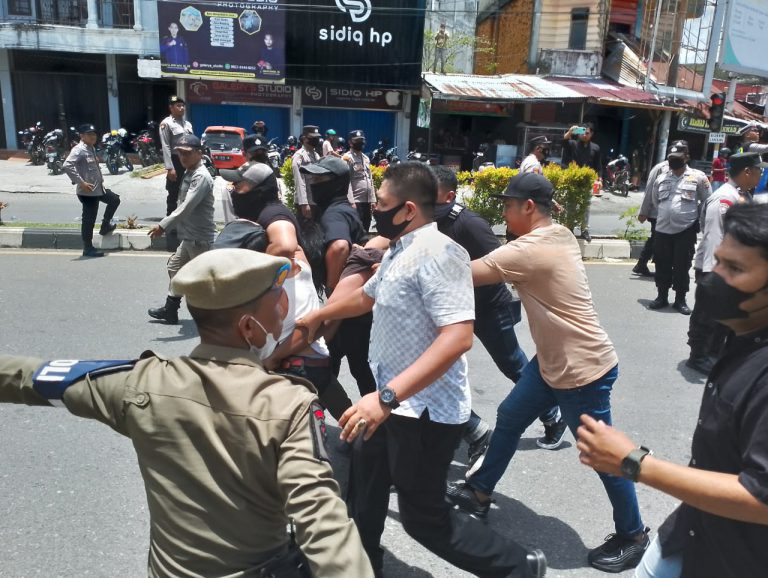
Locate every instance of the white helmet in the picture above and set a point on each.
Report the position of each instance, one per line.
(122, 132)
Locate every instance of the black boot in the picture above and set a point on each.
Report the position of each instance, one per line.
(661, 301)
(168, 312)
(642, 269)
(680, 305)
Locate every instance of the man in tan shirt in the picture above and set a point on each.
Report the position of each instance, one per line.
(575, 364)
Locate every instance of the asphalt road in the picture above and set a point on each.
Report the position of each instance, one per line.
(71, 497)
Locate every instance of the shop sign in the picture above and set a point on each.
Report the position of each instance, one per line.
(366, 98)
(223, 92)
(469, 107)
(688, 123)
(222, 40)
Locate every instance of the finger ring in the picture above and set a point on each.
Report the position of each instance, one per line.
(361, 424)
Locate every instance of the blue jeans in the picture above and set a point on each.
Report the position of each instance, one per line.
(653, 565)
(495, 328)
(524, 403)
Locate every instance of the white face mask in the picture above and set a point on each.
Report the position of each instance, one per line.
(269, 346)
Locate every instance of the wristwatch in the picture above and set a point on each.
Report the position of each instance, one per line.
(388, 397)
(630, 466)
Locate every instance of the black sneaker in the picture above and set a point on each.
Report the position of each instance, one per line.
(92, 252)
(462, 495)
(617, 554)
(478, 448)
(107, 229)
(537, 563)
(553, 435)
(642, 270)
(700, 363)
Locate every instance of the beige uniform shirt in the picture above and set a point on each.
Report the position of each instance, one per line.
(228, 452)
(171, 130)
(361, 181)
(546, 268)
(302, 196)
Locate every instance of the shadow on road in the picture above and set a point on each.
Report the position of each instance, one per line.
(690, 375)
(187, 330)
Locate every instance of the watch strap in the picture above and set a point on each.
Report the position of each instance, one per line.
(637, 456)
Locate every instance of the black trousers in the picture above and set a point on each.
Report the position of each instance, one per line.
(673, 254)
(352, 341)
(647, 253)
(91, 210)
(706, 337)
(172, 199)
(329, 390)
(414, 456)
(364, 211)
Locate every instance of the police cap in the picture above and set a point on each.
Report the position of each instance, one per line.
(742, 161)
(355, 134)
(311, 131)
(226, 278)
(188, 142)
(254, 142)
(539, 141)
(176, 100)
(84, 128)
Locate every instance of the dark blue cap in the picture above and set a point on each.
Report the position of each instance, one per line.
(83, 128)
(188, 142)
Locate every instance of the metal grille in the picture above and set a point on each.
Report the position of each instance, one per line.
(62, 12)
(116, 13)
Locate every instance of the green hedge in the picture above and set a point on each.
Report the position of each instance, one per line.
(286, 171)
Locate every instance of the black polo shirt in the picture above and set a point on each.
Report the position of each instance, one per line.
(474, 233)
(341, 222)
(277, 211)
(583, 154)
(731, 437)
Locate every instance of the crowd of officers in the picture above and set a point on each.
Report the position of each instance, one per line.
(251, 493)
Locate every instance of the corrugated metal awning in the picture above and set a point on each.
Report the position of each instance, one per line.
(503, 88)
(610, 93)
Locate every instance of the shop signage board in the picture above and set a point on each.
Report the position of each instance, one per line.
(350, 97)
(237, 93)
(689, 123)
(745, 42)
(242, 41)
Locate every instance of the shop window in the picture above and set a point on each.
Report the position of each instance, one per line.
(20, 7)
(579, 21)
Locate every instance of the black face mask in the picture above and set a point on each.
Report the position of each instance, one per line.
(545, 153)
(384, 224)
(324, 193)
(250, 205)
(358, 145)
(676, 163)
(313, 141)
(720, 300)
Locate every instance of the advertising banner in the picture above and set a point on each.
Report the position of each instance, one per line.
(355, 42)
(688, 123)
(225, 40)
(365, 98)
(223, 92)
(745, 41)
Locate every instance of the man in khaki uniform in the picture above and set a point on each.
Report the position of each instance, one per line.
(307, 154)
(229, 453)
(361, 183)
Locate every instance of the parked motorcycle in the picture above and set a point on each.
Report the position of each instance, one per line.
(145, 146)
(56, 150)
(617, 176)
(114, 151)
(390, 158)
(32, 140)
(289, 149)
(274, 156)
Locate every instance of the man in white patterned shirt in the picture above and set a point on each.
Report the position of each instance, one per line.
(423, 311)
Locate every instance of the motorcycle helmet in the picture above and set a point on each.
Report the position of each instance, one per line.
(260, 127)
(113, 132)
(725, 152)
(122, 132)
(292, 141)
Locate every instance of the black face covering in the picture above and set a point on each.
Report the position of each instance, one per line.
(324, 193)
(676, 163)
(313, 141)
(545, 153)
(358, 145)
(250, 205)
(443, 210)
(720, 300)
(384, 224)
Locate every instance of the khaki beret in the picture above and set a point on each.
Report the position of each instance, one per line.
(226, 278)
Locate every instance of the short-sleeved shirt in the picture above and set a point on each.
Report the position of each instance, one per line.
(731, 437)
(531, 164)
(718, 170)
(341, 222)
(424, 283)
(171, 130)
(546, 268)
(648, 208)
(277, 211)
(474, 233)
(678, 199)
(712, 224)
(193, 218)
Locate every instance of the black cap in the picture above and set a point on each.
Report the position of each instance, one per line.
(253, 142)
(529, 186)
(253, 172)
(175, 100)
(83, 128)
(677, 150)
(188, 142)
(355, 134)
(329, 165)
(311, 130)
(742, 161)
(538, 141)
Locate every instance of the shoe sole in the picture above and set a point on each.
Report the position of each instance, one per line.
(554, 446)
(619, 566)
(476, 466)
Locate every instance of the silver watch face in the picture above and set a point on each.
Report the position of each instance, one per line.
(387, 395)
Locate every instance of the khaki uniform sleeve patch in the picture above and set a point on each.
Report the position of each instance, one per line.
(319, 432)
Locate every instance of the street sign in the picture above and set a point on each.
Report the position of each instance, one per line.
(716, 137)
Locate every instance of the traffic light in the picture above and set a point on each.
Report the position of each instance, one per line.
(716, 110)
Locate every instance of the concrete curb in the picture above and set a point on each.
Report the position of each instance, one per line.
(127, 240)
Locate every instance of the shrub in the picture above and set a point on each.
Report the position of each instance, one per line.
(633, 231)
(485, 184)
(378, 175)
(286, 171)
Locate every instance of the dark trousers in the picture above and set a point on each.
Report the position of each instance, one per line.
(172, 199)
(91, 210)
(329, 390)
(351, 341)
(706, 337)
(647, 253)
(364, 211)
(673, 254)
(414, 456)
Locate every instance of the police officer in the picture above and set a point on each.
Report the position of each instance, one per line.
(193, 219)
(255, 147)
(750, 137)
(539, 147)
(677, 196)
(172, 128)
(82, 167)
(307, 154)
(257, 461)
(361, 182)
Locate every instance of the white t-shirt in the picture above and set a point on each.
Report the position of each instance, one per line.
(302, 299)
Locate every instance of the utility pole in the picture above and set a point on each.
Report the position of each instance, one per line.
(674, 63)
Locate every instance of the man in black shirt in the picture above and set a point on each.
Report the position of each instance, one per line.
(578, 148)
(496, 311)
(721, 529)
(255, 197)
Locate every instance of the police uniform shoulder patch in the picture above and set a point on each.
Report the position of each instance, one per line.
(319, 432)
(53, 378)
